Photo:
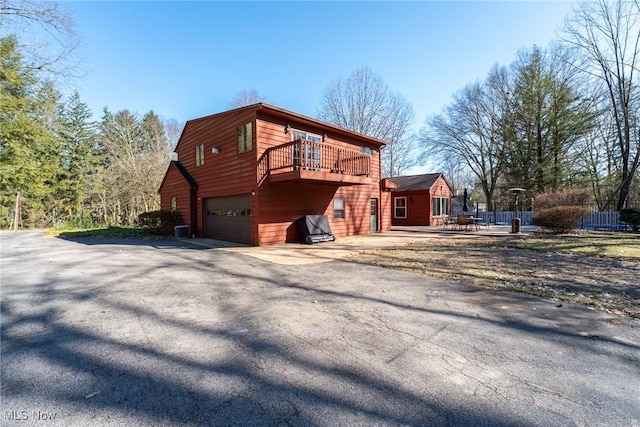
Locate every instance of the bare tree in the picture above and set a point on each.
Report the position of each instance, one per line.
(364, 103)
(137, 154)
(470, 131)
(173, 128)
(608, 35)
(47, 36)
(246, 97)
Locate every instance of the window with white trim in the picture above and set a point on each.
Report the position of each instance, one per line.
(400, 207)
(440, 206)
(338, 208)
(311, 154)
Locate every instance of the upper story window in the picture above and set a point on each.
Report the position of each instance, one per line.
(245, 137)
(311, 156)
(366, 150)
(200, 155)
(298, 134)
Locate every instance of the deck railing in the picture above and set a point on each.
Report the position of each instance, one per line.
(313, 156)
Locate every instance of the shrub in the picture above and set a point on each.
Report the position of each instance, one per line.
(162, 222)
(631, 216)
(560, 219)
(565, 197)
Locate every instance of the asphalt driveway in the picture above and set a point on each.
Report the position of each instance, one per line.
(148, 332)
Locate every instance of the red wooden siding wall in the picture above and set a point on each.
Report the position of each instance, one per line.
(439, 189)
(274, 206)
(419, 205)
(225, 173)
(280, 204)
(175, 185)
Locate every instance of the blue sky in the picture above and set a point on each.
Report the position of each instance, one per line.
(187, 59)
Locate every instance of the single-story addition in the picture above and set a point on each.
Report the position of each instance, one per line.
(246, 175)
(420, 199)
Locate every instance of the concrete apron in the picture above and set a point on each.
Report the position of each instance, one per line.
(342, 247)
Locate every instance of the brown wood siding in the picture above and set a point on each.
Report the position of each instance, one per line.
(275, 207)
(419, 205)
(281, 205)
(440, 188)
(223, 174)
(271, 133)
(385, 211)
(175, 184)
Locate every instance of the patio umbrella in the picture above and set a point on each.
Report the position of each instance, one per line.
(465, 198)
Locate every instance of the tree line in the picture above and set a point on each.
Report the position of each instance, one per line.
(67, 168)
(561, 116)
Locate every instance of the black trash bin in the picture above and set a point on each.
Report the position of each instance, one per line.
(515, 225)
(181, 231)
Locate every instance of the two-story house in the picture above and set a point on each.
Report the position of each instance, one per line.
(248, 174)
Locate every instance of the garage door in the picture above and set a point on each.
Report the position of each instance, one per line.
(228, 218)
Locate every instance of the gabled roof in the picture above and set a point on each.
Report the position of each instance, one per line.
(416, 182)
(272, 110)
(277, 111)
(183, 171)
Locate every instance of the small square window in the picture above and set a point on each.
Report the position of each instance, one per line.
(338, 208)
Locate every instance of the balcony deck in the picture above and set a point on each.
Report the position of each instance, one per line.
(314, 162)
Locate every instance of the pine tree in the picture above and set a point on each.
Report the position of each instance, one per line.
(80, 155)
(25, 140)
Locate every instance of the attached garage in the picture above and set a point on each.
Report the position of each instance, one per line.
(228, 218)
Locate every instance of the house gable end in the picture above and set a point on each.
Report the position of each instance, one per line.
(190, 124)
(183, 172)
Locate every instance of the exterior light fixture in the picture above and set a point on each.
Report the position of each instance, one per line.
(215, 150)
(287, 129)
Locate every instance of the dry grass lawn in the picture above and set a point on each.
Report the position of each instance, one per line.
(597, 269)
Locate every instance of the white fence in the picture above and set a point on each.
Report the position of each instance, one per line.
(594, 220)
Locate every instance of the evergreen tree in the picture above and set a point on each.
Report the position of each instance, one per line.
(25, 140)
(545, 119)
(80, 155)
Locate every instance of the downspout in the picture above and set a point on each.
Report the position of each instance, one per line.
(380, 210)
(194, 215)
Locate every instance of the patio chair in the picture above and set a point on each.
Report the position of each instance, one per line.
(463, 220)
